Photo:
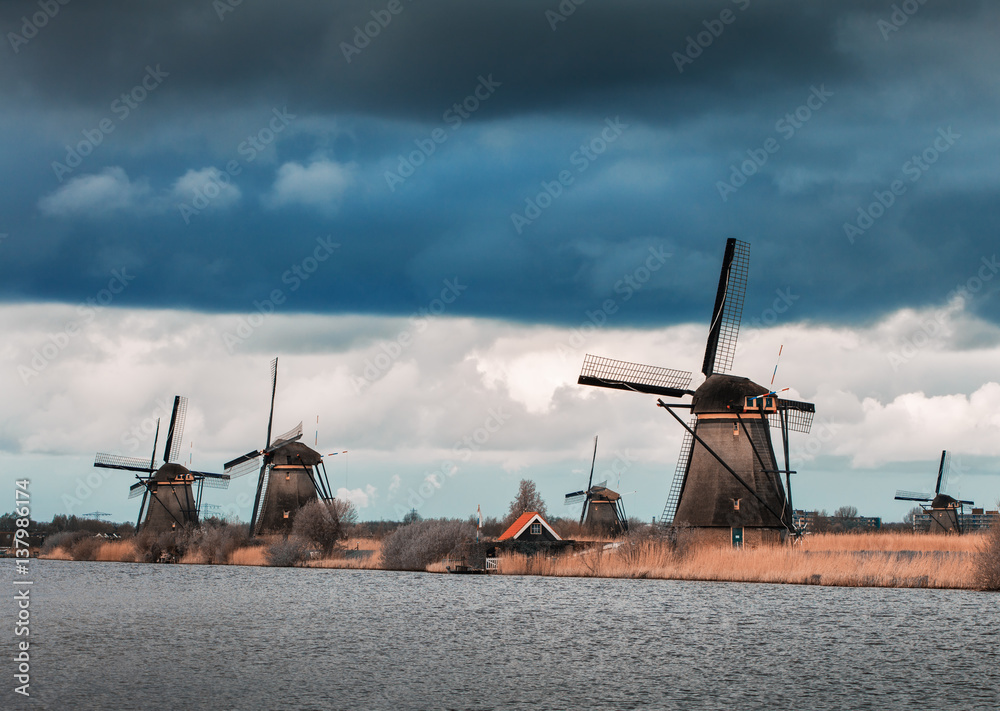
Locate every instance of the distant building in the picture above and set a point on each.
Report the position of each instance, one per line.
(530, 526)
(812, 521)
(803, 519)
(976, 520)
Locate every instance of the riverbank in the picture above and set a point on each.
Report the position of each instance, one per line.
(902, 560)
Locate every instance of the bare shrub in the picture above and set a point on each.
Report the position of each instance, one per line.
(287, 552)
(323, 523)
(218, 541)
(85, 548)
(417, 545)
(987, 572)
(63, 539)
(154, 546)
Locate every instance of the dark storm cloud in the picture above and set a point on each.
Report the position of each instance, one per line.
(877, 92)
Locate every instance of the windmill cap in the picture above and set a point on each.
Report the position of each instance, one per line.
(718, 392)
(171, 472)
(295, 454)
(943, 501)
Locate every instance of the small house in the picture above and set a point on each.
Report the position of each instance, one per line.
(530, 526)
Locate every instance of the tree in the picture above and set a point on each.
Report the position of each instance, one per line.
(912, 514)
(846, 512)
(527, 499)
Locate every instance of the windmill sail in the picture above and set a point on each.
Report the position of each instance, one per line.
(175, 433)
(800, 415)
(902, 495)
(622, 375)
(680, 474)
(114, 461)
(241, 467)
(291, 436)
(728, 310)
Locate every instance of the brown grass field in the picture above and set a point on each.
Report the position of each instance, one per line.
(866, 560)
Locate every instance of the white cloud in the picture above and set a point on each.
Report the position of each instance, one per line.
(102, 193)
(208, 186)
(361, 498)
(496, 400)
(320, 184)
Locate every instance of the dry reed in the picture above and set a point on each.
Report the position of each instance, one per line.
(857, 561)
(117, 551)
(251, 555)
(343, 558)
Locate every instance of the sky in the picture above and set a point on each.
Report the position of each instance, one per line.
(430, 212)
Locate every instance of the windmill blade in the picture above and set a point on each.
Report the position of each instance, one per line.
(943, 467)
(175, 433)
(274, 386)
(575, 498)
(912, 496)
(281, 440)
(244, 465)
(728, 310)
(800, 415)
(593, 461)
(114, 461)
(209, 475)
(680, 476)
(622, 375)
(601, 485)
(212, 482)
(138, 488)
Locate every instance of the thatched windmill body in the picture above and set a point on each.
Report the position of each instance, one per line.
(602, 508)
(289, 475)
(944, 510)
(727, 474)
(171, 494)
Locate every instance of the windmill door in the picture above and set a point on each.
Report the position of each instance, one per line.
(737, 537)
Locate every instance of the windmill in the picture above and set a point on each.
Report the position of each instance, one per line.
(727, 474)
(944, 510)
(290, 475)
(171, 494)
(602, 507)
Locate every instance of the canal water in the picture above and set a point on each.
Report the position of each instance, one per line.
(129, 636)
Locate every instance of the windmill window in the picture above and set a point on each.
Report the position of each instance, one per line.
(286, 513)
(288, 477)
(536, 529)
(736, 430)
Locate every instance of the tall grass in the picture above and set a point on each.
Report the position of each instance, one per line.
(251, 555)
(903, 560)
(117, 551)
(357, 554)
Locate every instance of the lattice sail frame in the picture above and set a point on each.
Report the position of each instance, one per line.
(800, 415)
(177, 430)
(114, 461)
(732, 289)
(611, 371)
(680, 474)
(290, 436)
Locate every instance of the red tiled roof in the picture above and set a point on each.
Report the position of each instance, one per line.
(522, 522)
